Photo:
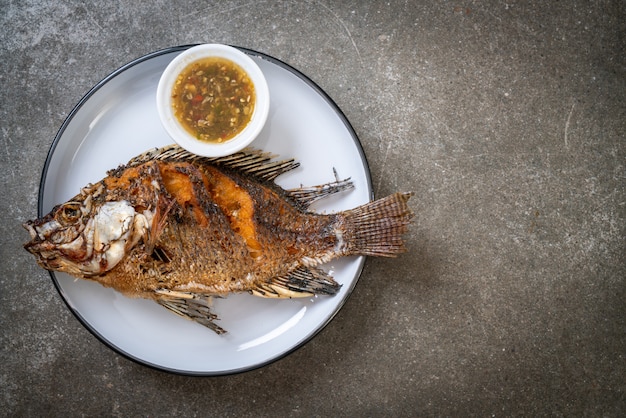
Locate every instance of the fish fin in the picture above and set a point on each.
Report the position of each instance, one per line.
(249, 160)
(256, 163)
(376, 228)
(299, 283)
(192, 306)
(306, 196)
(163, 208)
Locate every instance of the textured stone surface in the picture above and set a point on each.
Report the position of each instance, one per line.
(507, 120)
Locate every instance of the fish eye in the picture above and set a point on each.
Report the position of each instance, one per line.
(69, 213)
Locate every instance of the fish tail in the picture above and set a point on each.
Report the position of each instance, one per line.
(376, 228)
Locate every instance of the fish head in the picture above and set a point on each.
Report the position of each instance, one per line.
(85, 238)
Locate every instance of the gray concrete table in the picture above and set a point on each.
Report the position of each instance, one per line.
(507, 120)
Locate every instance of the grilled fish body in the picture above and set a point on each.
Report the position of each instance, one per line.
(178, 228)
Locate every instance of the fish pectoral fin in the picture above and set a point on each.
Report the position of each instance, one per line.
(192, 306)
(300, 283)
(163, 208)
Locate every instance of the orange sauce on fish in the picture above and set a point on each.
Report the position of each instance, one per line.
(180, 187)
(238, 207)
(234, 202)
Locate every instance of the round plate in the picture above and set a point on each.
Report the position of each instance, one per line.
(117, 120)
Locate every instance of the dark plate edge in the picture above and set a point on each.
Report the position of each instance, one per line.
(75, 110)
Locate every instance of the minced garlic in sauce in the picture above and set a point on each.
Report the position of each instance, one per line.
(213, 99)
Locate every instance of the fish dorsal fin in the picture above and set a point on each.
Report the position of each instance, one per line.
(253, 162)
(249, 160)
(300, 283)
(306, 196)
(192, 306)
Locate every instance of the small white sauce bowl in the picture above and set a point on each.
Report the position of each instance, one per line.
(178, 132)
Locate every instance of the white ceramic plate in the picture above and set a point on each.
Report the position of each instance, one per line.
(117, 120)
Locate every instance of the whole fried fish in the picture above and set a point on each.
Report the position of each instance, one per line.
(178, 228)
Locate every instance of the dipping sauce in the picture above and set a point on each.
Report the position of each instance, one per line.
(213, 99)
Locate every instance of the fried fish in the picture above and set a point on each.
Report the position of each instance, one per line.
(178, 228)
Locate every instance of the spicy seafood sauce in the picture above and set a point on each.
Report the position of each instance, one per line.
(213, 99)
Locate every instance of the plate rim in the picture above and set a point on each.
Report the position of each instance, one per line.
(85, 98)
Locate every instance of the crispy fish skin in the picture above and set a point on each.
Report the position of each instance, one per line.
(178, 228)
